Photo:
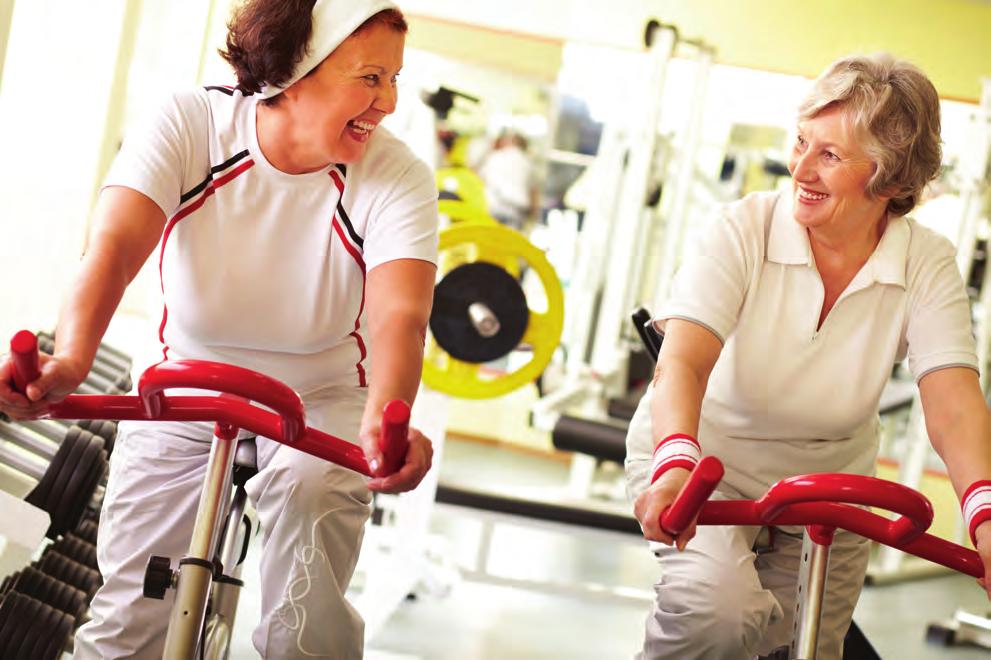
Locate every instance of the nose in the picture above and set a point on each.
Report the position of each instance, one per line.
(801, 167)
(387, 98)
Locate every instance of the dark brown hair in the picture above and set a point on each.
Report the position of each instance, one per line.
(266, 39)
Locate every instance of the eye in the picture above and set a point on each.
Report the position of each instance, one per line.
(371, 79)
(829, 155)
(800, 143)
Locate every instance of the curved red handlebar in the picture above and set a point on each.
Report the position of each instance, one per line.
(225, 378)
(917, 512)
(799, 501)
(288, 426)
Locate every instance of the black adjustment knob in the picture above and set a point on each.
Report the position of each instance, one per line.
(158, 577)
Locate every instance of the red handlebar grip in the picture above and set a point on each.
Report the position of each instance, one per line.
(24, 357)
(696, 491)
(393, 442)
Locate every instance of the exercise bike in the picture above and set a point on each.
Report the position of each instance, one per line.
(206, 580)
(822, 503)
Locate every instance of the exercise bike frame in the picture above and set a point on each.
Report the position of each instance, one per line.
(230, 412)
(822, 503)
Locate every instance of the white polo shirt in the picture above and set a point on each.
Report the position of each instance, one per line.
(265, 269)
(784, 398)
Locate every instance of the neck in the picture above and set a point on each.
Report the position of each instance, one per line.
(848, 248)
(281, 143)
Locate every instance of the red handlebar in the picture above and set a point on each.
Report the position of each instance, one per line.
(24, 357)
(222, 378)
(800, 501)
(393, 442)
(692, 496)
(288, 426)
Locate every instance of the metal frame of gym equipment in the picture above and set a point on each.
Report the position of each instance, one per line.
(613, 250)
(626, 157)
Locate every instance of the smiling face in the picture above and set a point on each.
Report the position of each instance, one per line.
(336, 108)
(830, 171)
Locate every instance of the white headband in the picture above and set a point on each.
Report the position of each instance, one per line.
(333, 22)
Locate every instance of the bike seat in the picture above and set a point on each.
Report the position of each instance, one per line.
(245, 461)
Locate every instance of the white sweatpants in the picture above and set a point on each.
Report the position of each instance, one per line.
(312, 514)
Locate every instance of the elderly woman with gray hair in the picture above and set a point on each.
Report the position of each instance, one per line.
(781, 331)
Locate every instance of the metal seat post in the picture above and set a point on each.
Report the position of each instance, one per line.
(811, 590)
(197, 567)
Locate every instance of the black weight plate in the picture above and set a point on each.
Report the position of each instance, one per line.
(75, 496)
(88, 531)
(39, 494)
(77, 549)
(73, 573)
(36, 636)
(9, 605)
(478, 282)
(70, 600)
(93, 478)
(28, 614)
(66, 486)
(48, 622)
(60, 635)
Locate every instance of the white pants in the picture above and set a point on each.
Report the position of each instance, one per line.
(312, 514)
(717, 600)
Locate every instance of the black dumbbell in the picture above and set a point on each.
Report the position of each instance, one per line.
(76, 549)
(32, 629)
(67, 486)
(60, 595)
(87, 530)
(106, 429)
(71, 572)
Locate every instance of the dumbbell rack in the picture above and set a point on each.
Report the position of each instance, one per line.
(42, 604)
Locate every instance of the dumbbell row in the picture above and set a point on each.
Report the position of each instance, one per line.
(49, 598)
(69, 484)
(32, 629)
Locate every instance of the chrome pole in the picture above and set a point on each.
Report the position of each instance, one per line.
(812, 575)
(196, 568)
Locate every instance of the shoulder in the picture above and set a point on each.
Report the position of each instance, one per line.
(930, 260)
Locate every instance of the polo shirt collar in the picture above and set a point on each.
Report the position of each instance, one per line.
(788, 243)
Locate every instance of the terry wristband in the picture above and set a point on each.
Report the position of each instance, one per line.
(976, 506)
(679, 450)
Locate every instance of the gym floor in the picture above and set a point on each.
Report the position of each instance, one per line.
(476, 621)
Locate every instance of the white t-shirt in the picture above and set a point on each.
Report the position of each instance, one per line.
(783, 397)
(265, 269)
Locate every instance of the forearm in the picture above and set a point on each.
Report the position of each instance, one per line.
(964, 444)
(396, 366)
(89, 306)
(677, 400)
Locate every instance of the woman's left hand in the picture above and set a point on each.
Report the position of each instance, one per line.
(983, 536)
(419, 456)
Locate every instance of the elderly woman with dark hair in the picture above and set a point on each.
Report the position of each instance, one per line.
(295, 235)
(780, 333)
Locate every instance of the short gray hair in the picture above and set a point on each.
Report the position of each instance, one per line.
(895, 110)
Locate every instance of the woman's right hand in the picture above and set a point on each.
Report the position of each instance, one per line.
(60, 376)
(653, 501)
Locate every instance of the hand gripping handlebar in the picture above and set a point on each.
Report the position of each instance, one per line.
(287, 425)
(810, 500)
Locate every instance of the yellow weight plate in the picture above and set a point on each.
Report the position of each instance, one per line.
(475, 241)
